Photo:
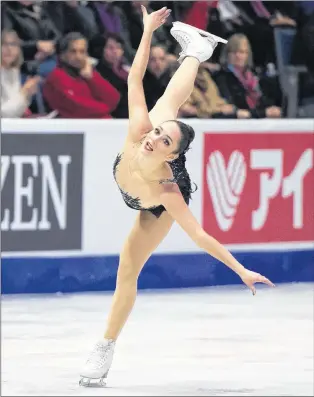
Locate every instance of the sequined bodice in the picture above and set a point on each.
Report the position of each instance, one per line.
(133, 202)
(180, 176)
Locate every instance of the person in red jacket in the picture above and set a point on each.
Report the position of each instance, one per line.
(74, 88)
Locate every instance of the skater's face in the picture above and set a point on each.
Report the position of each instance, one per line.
(239, 57)
(163, 142)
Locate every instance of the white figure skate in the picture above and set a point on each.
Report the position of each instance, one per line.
(194, 42)
(95, 371)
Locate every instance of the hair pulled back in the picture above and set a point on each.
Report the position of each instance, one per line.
(187, 137)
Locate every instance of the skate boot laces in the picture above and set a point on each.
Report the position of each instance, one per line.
(99, 355)
(211, 40)
(183, 39)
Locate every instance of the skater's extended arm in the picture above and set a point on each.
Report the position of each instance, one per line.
(172, 200)
(140, 123)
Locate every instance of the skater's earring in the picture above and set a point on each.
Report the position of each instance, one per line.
(172, 157)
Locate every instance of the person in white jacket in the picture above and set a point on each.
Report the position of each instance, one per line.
(15, 97)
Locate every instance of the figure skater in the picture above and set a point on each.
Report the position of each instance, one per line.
(151, 175)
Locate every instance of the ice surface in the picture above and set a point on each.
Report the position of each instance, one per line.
(218, 341)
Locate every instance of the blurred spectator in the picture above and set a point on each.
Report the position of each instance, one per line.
(276, 13)
(74, 88)
(158, 63)
(16, 97)
(264, 16)
(71, 16)
(237, 82)
(256, 19)
(179, 8)
(232, 18)
(197, 14)
(282, 12)
(206, 102)
(133, 23)
(307, 33)
(112, 67)
(114, 30)
(157, 75)
(36, 30)
(304, 54)
(109, 18)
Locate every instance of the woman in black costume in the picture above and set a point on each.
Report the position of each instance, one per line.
(151, 175)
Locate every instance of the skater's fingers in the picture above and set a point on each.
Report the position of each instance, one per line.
(144, 11)
(166, 14)
(163, 12)
(253, 289)
(266, 281)
(163, 19)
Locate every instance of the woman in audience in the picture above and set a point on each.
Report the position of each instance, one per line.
(206, 102)
(238, 84)
(71, 16)
(37, 32)
(159, 70)
(112, 67)
(16, 97)
(109, 18)
(132, 22)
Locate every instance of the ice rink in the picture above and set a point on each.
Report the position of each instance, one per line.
(218, 341)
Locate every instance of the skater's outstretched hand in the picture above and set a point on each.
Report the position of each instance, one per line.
(154, 20)
(250, 278)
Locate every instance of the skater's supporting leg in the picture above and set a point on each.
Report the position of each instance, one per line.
(146, 235)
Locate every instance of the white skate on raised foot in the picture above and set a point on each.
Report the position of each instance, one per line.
(95, 371)
(194, 42)
(202, 32)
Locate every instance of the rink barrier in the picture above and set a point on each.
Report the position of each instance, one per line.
(63, 220)
(78, 274)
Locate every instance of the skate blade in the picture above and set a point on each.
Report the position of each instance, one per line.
(94, 383)
(203, 32)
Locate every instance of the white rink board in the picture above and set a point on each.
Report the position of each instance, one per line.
(106, 219)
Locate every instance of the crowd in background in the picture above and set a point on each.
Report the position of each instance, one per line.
(71, 59)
